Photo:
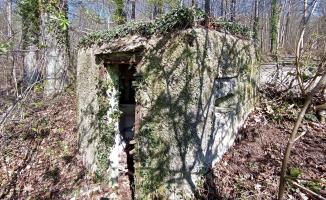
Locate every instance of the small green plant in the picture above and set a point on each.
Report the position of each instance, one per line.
(98, 178)
(38, 104)
(315, 185)
(60, 130)
(53, 174)
(294, 173)
(4, 47)
(39, 129)
(38, 88)
(61, 19)
(240, 185)
(311, 117)
(253, 165)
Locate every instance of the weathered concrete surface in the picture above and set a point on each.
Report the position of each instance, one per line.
(87, 102)
(197, 89)
(194, 90)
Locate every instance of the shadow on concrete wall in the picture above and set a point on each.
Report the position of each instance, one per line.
(181, 119)
(187, 113)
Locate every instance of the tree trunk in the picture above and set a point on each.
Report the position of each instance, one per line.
(262, 39)
(30, 15)
(294, 136)
(155, 12)
(280, 23)
(222, 8)
(321, 83)
(157, 9)
(182, 3)
(133, 9)
(227, 10)
(233, 10)
(11, 39)
(256, 21)
(57, 47)
(286, 26)
(207, 7)
(274, 26)
(119, 14)
(9, 18)
(305, 12)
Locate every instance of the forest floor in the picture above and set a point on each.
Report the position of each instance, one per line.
(251, 168)
(40, 159)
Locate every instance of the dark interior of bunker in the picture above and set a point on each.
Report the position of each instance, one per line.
(127, 119)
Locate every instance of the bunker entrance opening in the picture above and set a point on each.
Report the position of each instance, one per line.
(127, 106)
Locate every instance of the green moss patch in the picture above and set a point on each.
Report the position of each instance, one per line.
(177, 19)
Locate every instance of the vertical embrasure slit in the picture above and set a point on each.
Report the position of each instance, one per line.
(127, 120)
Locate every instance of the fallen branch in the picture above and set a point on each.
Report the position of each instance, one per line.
(317, 196)
(18, 100)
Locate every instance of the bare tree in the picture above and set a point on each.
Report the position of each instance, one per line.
(222, 8)
(9, 18)
(299, 50)
(227, 10)
(207, 7)
(233, 10)
(294, 134)
(157, 9)
(30, 13)
(133, 9)
(285, 23)
(55, 37)
(119, 13)
(11, 39)
(274, 26)
(305, 15)
(256, 20)
(320, 85)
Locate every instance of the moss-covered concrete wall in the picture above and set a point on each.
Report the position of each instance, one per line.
(195, 88)
(98, 113)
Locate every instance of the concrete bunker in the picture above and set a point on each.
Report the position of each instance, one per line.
(123, 69)
(193, 89)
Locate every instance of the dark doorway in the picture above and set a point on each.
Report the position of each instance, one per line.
(127, 92)
(127, 105)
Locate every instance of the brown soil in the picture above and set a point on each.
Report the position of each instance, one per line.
(40, 160)
(251, 168)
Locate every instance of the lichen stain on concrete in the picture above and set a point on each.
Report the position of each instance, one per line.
(194, 89)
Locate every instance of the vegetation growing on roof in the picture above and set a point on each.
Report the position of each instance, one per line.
(177, 19)
(233, 28)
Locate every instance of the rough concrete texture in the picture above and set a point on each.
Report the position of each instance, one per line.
(87, 102)
(194, 88)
